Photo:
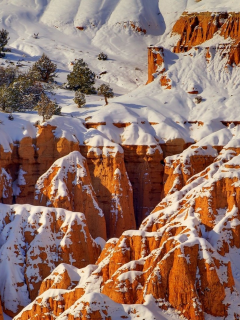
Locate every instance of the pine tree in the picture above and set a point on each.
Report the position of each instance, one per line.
(44, 69)
(47, 108)
(3, 41)
(79, 99)
(81, 78)
(105, 91)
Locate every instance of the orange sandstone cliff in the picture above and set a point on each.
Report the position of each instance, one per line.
(182, 256)
(67, 184)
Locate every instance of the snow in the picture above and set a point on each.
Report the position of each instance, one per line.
(151, 115)
(20, 257)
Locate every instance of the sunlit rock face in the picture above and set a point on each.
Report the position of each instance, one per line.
(34, 240)
(185, 255)
(67, 184)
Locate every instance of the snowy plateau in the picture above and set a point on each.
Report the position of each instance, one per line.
(131, 209)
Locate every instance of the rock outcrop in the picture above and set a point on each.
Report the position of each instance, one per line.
(155, 62)
(145, 172)
(180, 168)
(34, 240)
(196, 28)
(112, 186)
(184, 255)
(67, 184)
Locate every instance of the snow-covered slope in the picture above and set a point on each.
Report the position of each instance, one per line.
(160, 114)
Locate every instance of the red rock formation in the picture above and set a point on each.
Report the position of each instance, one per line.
(180, 255)
(112, 186)
(67, 184)
(35, 240)
(145, 172)
(196, 28)
(155, 61)
(180, 168)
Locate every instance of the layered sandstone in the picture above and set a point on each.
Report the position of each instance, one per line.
(196, 28)
(67, 184)
(145, 172)
(155, 61)
(183, 254)
(112, 186)
(180, 168)
(35, 240)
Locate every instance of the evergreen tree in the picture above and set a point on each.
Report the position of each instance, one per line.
(105, 91)
(3, 41)
(79, 99)
(47, 108)
(81, 78)
(44, 69)
(21, 94)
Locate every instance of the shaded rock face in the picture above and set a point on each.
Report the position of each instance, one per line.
(35, 240)
(145, 172)
(196, 28)
(67, 184)
(113, 188)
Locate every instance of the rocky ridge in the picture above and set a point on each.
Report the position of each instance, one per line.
(182, 256)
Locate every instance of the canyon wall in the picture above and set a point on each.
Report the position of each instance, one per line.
(126, 182)
(183, 255)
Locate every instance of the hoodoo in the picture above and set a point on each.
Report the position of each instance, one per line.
(120, 160)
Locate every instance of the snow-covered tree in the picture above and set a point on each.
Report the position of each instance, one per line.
(3, 41)
(19, 92)
(102, 56)
(44, 69)
(47, 108)
(79, 98)
(81, 78)
(105, 91)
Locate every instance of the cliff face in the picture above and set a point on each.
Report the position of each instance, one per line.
(112, 186)
(155, 61)
(184, 255)
(192, 30)
(145, 172)
(126, 181)
(180, 168)
(35, 240)
(196, 28)
(67, 184)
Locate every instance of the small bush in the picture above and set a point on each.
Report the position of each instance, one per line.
(198, 99)
(105, 91)
(102, 56)
(79, 99)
